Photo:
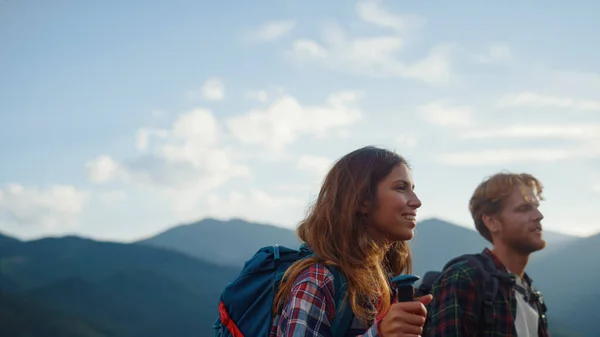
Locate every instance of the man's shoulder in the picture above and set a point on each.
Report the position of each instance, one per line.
(464, 270)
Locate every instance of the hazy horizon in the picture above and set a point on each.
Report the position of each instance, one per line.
(167, 228)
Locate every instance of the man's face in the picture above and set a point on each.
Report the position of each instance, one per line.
(519, 223)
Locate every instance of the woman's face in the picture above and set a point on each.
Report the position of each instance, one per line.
(394, 214)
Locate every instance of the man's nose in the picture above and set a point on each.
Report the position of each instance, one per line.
(538, 216)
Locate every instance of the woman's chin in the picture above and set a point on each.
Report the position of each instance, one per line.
(403, 235)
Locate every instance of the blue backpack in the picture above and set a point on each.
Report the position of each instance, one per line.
(246, 304)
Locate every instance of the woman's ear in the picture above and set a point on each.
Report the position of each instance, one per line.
(364, 208)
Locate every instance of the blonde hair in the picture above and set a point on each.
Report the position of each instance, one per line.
(488, 198)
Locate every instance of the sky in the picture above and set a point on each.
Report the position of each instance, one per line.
(120, 119)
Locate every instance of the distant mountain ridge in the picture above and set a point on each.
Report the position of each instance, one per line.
(228, 243)
(236, 240)
(5, 239)
(569, 277)
(112, 289)
(169, 284)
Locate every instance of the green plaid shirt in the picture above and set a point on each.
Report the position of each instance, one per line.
(458, 301)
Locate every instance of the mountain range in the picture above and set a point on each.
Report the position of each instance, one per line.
(169, 284)
(435, 240)
(106, 289)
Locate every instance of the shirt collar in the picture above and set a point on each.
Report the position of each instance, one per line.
(501, 266)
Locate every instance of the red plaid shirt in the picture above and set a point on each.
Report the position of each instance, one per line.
(457, 304)
(309, 309)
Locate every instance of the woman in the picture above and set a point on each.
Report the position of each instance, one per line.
(360, 222)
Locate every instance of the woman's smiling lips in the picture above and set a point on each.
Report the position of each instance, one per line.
(411, 217)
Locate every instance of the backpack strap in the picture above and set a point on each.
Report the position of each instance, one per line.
(426, 284)
(541, 306)
(532, 295)
(490, 280)
(492, 277)
(490, 288)
(342, 319)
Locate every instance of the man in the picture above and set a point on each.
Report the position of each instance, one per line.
(489, 294)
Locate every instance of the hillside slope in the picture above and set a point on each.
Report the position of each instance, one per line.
(131, 290)
(568, 283)
(24, 317)
(228, 243)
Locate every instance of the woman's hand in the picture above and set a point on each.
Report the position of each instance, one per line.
(405, 319)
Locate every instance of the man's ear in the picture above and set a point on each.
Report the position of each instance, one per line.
(491, 222)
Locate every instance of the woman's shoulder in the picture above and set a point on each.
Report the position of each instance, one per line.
(314, 287)
(316, 281)
(317, 274)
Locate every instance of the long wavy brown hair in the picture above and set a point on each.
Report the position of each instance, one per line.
(337, 232)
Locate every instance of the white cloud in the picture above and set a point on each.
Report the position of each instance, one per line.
(310, 48)
(213, 90)
(51, 208)
(495, 53)
(143, 135)
(198, 127)
(493, 157)
(258, 95)
(556, 86)
(439, 113)
(285, 119)
(187, 161)
(294, 188)
(583, 142)
(532, 131)
(407, 141)
(266, 94)
(596, 187)
(270, 31)
(537, 100)
(375, 55)
(316, 164)
(158, 114)
(372, 12)
(103, 169)
(112, 196)
(183, 163)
